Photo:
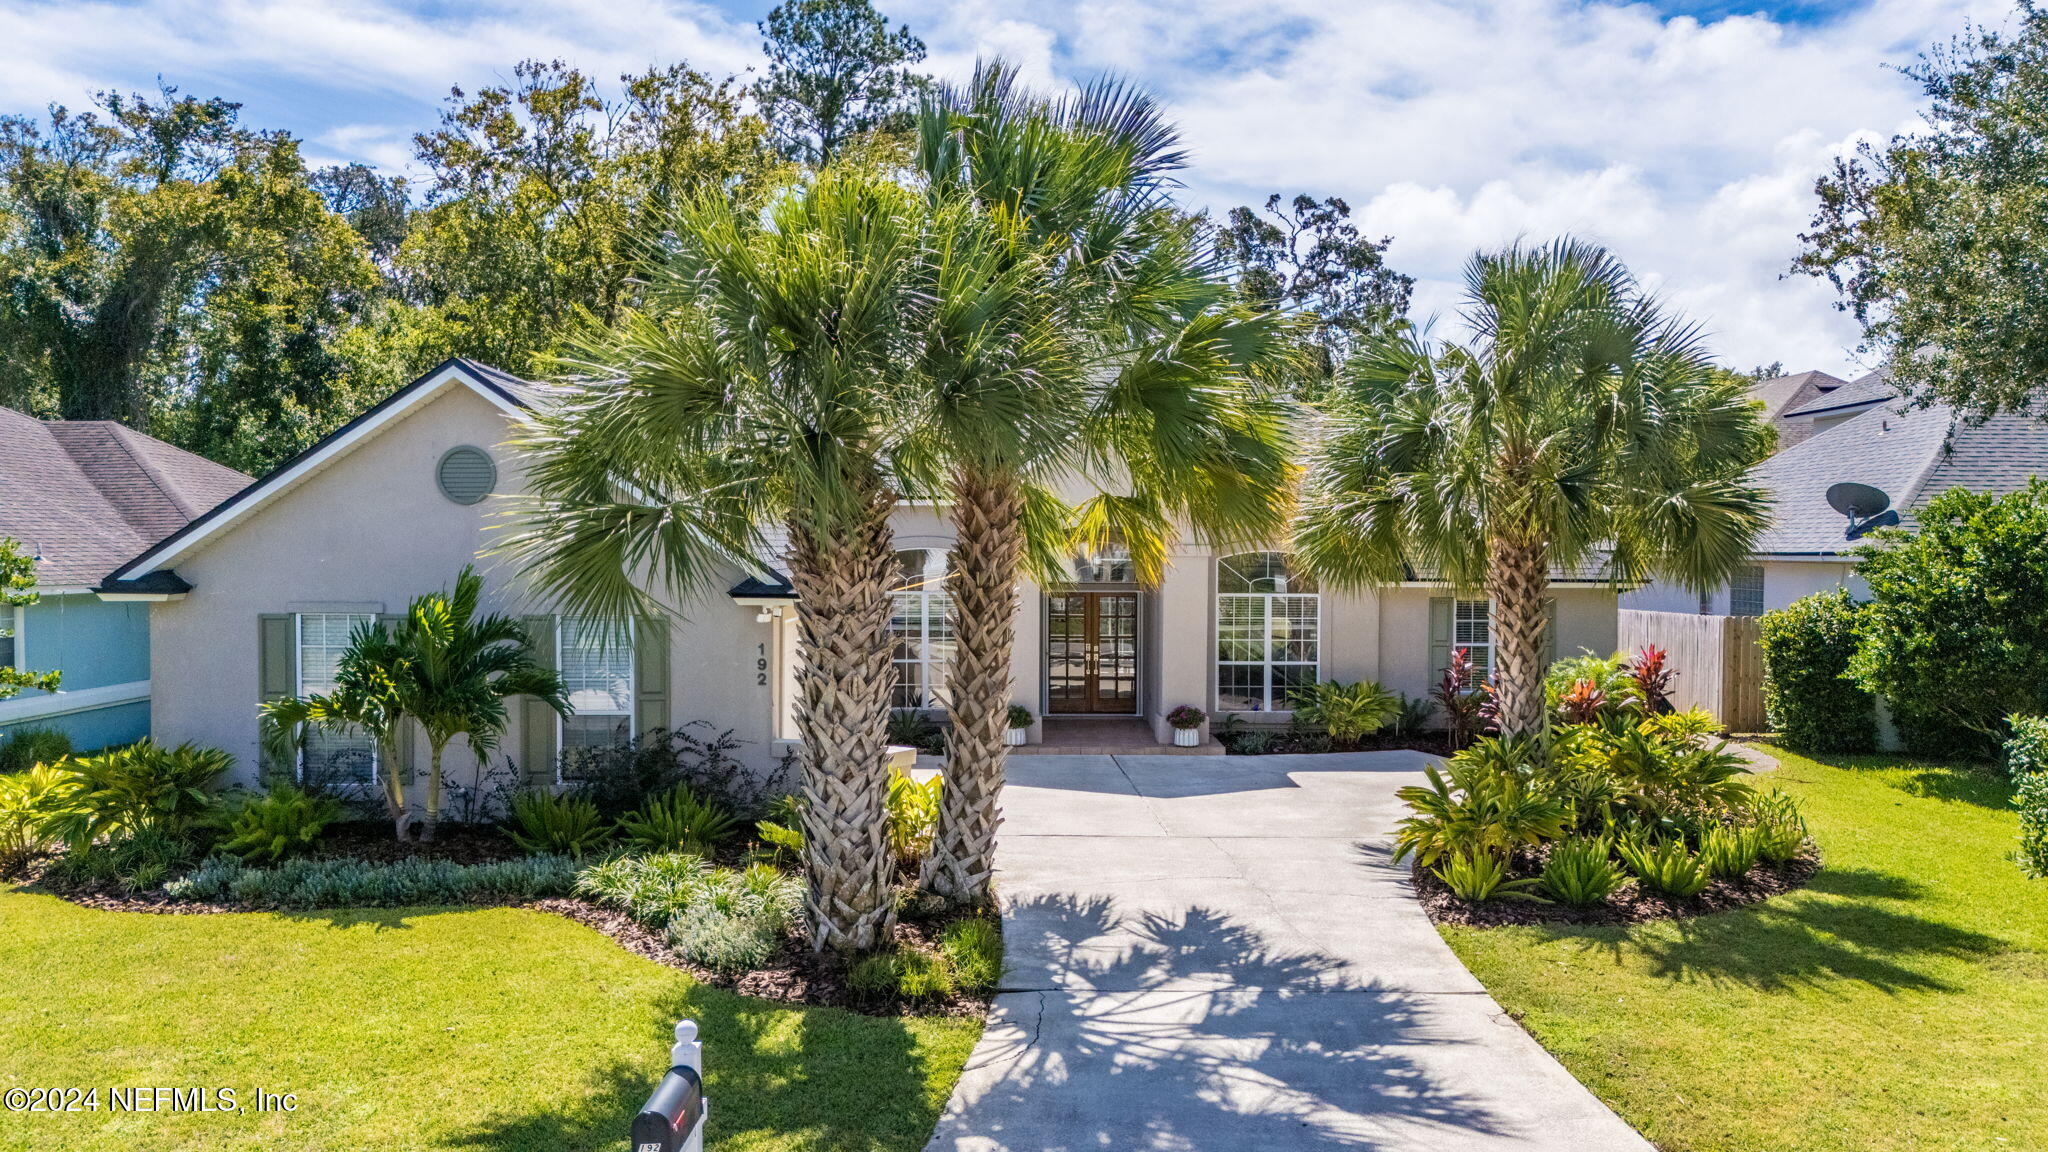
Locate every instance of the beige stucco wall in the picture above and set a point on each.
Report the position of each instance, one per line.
(369, 531)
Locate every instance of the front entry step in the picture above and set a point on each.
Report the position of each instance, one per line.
(1117, 736)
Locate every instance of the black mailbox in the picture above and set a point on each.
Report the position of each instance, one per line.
(671, 1113)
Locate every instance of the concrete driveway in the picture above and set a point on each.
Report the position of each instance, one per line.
(1213, 954)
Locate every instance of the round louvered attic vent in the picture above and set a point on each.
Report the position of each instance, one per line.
(466, 475)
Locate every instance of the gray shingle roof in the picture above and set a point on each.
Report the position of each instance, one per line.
(1913, 456)
(88, 494)
(1781, 394)
(1869, 388)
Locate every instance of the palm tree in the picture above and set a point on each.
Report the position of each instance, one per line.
(1580, 425)
(442, 667)
(761, 384)
(362, 700)
(1085, 335)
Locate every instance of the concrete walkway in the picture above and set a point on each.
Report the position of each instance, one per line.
(1214, 955)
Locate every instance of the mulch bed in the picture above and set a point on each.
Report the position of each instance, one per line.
(1632, 904)
(796, 975)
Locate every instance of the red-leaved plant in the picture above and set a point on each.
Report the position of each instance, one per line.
(1582, 703)
(1456, 699)
(1652, 677)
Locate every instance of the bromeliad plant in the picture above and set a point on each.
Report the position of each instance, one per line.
(1483, 803)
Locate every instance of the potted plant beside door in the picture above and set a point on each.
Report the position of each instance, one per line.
(1018, 730)
(1187, 725)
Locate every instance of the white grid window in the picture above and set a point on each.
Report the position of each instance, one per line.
(595, 658)
(1746, 592)
(1472, 630)
(920, 633)
(331, 757)
(1268, 632)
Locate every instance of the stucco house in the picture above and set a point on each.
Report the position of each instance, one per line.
(255, 599)
(79, 497)
(1865, 436)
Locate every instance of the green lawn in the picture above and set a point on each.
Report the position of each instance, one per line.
(1900, 1002)
(426, 1028)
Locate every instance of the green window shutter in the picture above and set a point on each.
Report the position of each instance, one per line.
(277, 676)
(408, 732)
(1439, 636)
(1549, 632)
(538, 732)
(650, 674)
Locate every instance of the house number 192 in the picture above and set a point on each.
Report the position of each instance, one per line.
(761, 665)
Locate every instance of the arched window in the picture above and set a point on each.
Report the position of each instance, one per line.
(1269, 629)
(918, 625)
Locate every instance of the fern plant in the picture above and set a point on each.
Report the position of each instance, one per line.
(544, 823)
(283, 820)
(1479, 877)
(1348, 712)
(1581, 871)
(1666, 866)
(679, 820)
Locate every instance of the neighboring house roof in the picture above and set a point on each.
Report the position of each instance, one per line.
(1870, 388)
(85, 495)
(1912, 456)
(1781, 394)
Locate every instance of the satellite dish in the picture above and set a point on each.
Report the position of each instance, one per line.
(1864, 505)
(1857, 501)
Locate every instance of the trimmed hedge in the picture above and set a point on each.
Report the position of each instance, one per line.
(2026, 757)
(1813, 704)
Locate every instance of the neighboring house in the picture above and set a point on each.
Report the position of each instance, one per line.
(1910, 454)
(1782, 394)
(81, 497)
(255, 600)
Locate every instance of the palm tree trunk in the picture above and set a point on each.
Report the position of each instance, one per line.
(433, 793)
(842, 585)
(1518, 575)
(394, 791)
(988, 549)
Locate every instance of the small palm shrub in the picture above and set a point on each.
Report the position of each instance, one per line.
(1482, 804)
(913, 815)
(25, 748)
(905, 974)
(284, 820)
(1781, 829)
(1581, 871)
(1666, 866)
(1726, 853)
(974, 949)
(546, 823)
(679, 820)
(307, 883)
(22, 832)
(1348, 712)
(124, 791)
(1477, 878)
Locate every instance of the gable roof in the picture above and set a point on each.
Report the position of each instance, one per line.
(1869, 388)
(1912, 456)
(96, 492)
(147, 571)
(1781, 394)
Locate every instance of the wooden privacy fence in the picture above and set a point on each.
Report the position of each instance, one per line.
(1719, 661)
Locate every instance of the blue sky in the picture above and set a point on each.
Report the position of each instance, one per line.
(1687, 135)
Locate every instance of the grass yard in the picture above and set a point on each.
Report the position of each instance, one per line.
(1900, 1003)
(426, 1028)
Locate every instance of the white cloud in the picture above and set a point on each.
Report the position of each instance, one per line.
(1690, 147)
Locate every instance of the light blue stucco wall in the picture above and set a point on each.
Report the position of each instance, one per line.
(95, 644)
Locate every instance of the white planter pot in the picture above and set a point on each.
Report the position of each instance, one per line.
(1016, 737)
(1186, 737)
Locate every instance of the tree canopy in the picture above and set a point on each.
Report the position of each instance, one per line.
(1307, 258)
(835, 72)
(1936, 239)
